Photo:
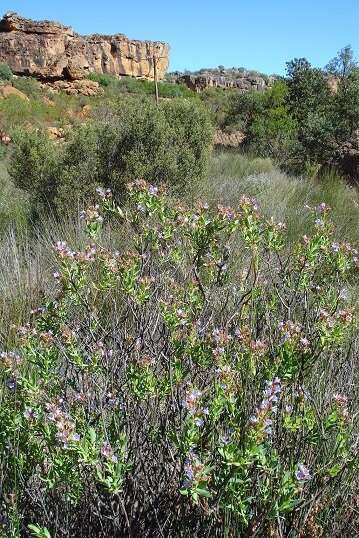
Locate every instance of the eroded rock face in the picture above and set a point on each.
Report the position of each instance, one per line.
(77, 87)
(52, 51)
(244, 83)
(347, 156)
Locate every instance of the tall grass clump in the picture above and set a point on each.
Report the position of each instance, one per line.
(14, 207)
(232, 174)
(199, 381)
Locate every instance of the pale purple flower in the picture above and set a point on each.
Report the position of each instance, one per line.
(153, 190)
(302, 473)
(340, 399)
(11, 383)
(106, 450)
(30, 414)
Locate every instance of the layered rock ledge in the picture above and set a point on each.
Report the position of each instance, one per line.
(51, 51)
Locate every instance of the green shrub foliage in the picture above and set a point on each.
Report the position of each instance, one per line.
(5, 72)
(171, 142)
(190, 384)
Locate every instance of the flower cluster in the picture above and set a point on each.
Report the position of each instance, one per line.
(294, 332)
(92, 214)
(340, 401)
(302, 473)
(108, 453)
(248, 203)
(64, 425)
(226, 213)
(104, 194)
(268, 406)
(191, 403)
(10, 359)
(193, 471)
(343, 316)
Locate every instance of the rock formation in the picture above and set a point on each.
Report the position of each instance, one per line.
(244, 83)
(228, 140)
(51, 51)
(347, 156)
(238, 78)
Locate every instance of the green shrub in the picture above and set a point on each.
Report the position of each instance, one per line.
(201, 382)
(102, 78)
(170, 143)
(5, 72)
(34, 167)
(29, 86)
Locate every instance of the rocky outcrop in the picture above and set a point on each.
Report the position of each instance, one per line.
(347, 156)
(52, 51)
(76, 87)
(239, 78)
(245, 83)
(228, 140)
(9, 91)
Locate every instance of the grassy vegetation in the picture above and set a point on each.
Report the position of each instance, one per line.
(233, 174)
(13, 201)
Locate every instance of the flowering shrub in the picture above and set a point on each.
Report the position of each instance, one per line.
(191, 385)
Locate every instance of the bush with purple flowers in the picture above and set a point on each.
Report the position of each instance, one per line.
(199, 383)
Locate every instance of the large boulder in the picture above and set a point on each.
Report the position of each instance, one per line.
(52, 51)
(8, 91)
(243, 82)
(347, 156)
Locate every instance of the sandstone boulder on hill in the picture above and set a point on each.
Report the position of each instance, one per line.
(347, 156)
(77, 87)
(52, 51)
(9, 91)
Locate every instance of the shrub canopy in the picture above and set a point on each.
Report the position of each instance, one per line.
(170, 143)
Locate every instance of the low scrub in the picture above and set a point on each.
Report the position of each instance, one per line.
(198, 382)
(5, 72)
(135, 138)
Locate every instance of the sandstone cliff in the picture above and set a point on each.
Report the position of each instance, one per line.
(51, 51)
(238, 78)
(244, 83)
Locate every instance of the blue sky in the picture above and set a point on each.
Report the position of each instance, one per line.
(257, 34)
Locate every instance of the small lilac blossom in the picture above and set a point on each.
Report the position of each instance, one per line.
(30, 414)
(11, 383)
(302, 473)
(153, 190)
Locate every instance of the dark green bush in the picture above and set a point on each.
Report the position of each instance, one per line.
(29, 86)
(34, 166)
(169, 143)
(103, 79)
(5, 72)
